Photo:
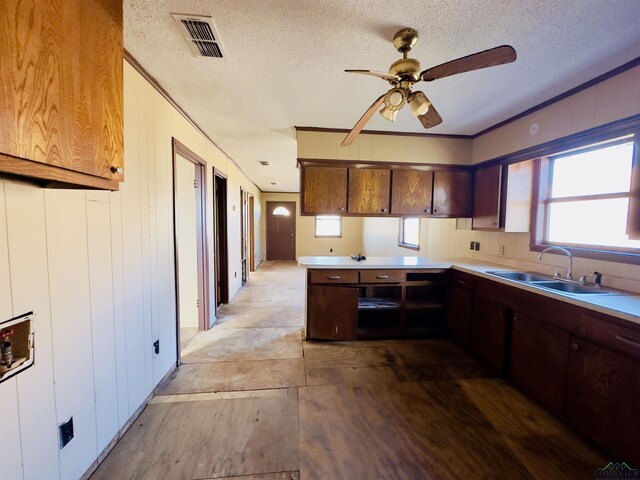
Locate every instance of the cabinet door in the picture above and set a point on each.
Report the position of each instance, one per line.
(488, 331)
(62, 94)
(460, 312)
(411, 192)
(332, 312)
(539, 360)
(324, 190)
(368, 190)
(452, 190)
(603, 399)
(486, 197)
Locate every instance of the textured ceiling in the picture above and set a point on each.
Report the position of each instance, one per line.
(285, 60)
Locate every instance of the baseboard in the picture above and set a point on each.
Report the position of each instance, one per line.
(103, 455)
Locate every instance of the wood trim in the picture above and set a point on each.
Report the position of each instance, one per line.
(51, 176)
(383, 132)
(318, 162)
(594, 81)
(155, 84)
(611, 255)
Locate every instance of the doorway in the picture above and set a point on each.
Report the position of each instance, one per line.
(221, 246)
(189, 229)
(281, 231)
(252, 255)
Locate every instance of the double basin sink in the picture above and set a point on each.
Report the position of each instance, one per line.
(556, 285)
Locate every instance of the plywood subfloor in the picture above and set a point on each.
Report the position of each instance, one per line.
(254, 402)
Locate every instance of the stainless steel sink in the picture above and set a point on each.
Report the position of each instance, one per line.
(549, 283)
(574, 288)
(526, 277)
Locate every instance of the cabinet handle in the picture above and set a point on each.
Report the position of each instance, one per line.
(342, 209)
(435, 210)
(383, 210)
(426, 210)
(627, 341)
(333, 277)
(575, 346)
(336, 329)
(382, 277)
(117, 170)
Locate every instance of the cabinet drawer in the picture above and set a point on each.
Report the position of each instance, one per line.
(381, 276)
(333, 276)
(598, 330)
(462, 280)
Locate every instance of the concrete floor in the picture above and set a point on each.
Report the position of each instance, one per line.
(253, 401)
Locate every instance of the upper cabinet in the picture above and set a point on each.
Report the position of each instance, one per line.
(324, 190)
(452, 193)
(369, 191)
(486, 197)
(411, 192)
(61, 94)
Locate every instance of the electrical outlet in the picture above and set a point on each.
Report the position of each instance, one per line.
(235, 274)
(156, 346)
(500, 249)
(472, 245)
(476, 247)
(66, 432)
(331, 250)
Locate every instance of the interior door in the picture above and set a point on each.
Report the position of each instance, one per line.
(281, 231)
(243, 234)
(221, 245)
(186, 242)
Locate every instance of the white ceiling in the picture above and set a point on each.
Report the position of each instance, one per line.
(285, 60)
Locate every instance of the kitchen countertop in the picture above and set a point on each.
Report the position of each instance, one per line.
(626, 305)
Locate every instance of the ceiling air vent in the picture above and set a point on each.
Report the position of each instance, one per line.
(201, 34)
(264, 163)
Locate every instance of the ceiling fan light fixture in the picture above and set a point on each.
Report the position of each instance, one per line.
(419, 103)
(389, 114)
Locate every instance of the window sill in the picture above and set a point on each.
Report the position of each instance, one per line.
(619, 256)
(409, 246)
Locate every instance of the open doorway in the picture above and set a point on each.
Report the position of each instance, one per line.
(281, 231)
(191, 262)
(221, 247)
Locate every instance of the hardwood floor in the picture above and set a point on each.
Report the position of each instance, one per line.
(254, 402)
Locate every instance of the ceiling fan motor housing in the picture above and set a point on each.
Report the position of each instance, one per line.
(406, 68)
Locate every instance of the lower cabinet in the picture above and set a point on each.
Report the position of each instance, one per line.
(332, 312)
(460, 307)
(539, 361)
(603, 399)
(489, 331)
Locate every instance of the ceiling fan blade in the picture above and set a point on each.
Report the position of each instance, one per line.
(385, 76)
(348, 140)
(487, 58)
(431, 118)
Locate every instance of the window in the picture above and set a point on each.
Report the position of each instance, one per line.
(585, 197)
(409, 233)
(328, 226)
(281, 211)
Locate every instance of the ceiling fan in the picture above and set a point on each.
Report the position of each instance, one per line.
(404, 73)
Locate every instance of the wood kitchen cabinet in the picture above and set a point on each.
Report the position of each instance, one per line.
(539, 361)
(62, 91)
(487, 197)
(489, 330)
(332, 312)
(324, 190)
(461, 307)
(452, 193)
(369, 191)
(603, 398)
(411, 192)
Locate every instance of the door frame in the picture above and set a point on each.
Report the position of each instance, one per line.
(295, 233)
(244, 266)
(204, 318)
(221, 237)
(252, 263)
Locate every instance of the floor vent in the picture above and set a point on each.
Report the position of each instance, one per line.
(201, 34)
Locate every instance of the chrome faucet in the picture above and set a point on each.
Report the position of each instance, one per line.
(567, 253)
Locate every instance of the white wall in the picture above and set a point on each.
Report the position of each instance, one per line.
(97, 268)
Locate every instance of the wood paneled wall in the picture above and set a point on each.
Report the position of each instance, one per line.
(97, 269)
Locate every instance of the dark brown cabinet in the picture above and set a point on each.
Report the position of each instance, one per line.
(452, 193)
(603, 398)
(487, 197)
(539, 360)
(332, 312)
(324, 190)
(369, 191)
(411, 192)
(461, 307)
(489, 331)
(62, 91)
